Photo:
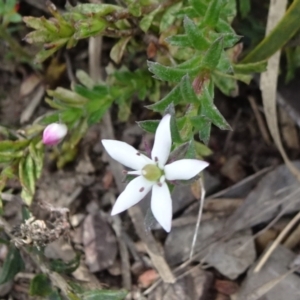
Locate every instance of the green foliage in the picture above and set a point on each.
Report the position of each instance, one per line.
(103, 295)
(278, 37)
(8, 12)
(60, 266)
(13, 264)
(41, 286)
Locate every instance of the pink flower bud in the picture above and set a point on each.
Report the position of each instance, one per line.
(54, 133)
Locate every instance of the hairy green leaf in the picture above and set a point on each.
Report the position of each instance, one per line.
(213, 55)
(149, 126)
(173, 97)
(194, 34)
(187, 91)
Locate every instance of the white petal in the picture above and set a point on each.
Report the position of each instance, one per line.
(161, 205)
(163, 141)
(126, 154)
(184, 169)
(134, 192)
(138, 172)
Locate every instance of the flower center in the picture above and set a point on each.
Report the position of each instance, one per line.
(152, 172)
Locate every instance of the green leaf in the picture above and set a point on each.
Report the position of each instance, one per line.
(173, 97)
(146, 21)
(212, 13)
(59, 266)
(204, 126)
(176, 138)
(202, 150)
(245, 7)
(37, 155)
(103, 295)
(171, 74)
(195, 36)
(68, 97)
(213, 55)
(89, 9)
(40, 285)
(187, 91)
(199, 6)
(12, 265)
(149, 126)
(226, 83)
(179, 40)
(278, 37)
(209, 110)
(168, 17)
(256, 67)
(11, 146)
(27, 178)
(118, 49)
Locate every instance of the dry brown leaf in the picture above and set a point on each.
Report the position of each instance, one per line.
(226, 287)
(268, 84)
(147, 278)
(29, 84)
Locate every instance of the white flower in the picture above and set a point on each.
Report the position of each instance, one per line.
(152, 173)
(54, 133)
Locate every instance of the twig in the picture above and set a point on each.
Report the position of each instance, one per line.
(201, 204)
(126, 277)
(35, 101)
(269, 285)
(260, 122)
(277, 241)
(95, 47)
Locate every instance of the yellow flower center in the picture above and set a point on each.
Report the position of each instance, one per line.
(152, 172)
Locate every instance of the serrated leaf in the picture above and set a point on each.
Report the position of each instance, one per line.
(149, 125)
(195, 36)
(213, 55)
(212, 13)
(173, 97)
(103, 295)
(12, 265)
(187, 91)
(209, 111)
(256, 67)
